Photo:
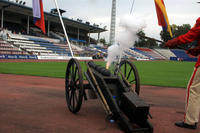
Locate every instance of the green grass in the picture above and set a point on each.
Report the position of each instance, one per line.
(165, 73)
(46, 69)
(159, 73)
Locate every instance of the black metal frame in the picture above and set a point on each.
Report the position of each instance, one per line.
(120, 103)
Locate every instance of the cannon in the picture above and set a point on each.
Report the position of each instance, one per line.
(117, 90)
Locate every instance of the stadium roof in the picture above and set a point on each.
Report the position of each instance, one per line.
(22, 9)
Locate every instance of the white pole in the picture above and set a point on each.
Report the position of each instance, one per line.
(78, 36)
(48, 27)
(89, 38)
(98, 37)
(2, 14)
(113, 22)
(28, 25)
(64, 28)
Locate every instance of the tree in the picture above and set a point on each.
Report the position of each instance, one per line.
(151, 43)
(176, 31)
(102, 40)
(144, 41)
(141, 40)
(182, 30)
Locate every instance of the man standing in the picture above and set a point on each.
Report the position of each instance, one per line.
(192, 105)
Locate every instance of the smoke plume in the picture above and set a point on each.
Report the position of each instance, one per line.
(92, 1)
(125, 39)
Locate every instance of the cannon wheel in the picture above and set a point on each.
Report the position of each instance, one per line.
(130, 72)
(74, 85)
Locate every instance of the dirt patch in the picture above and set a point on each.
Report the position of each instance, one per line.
(37, 104)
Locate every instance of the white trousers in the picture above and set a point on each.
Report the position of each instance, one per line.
(192, 106)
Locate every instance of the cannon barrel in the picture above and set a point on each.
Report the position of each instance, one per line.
(99, 68)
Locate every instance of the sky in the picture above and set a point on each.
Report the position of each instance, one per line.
(99, 12)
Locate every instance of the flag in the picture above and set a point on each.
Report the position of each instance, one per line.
(38, 15)
(162, 16)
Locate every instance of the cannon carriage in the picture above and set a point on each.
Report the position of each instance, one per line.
(118, 92)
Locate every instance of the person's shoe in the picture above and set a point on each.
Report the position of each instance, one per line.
(184, 125)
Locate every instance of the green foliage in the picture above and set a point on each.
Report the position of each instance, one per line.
(176, 31)
(159, 73)
(165, 36)
(180, 30)
(102, 40)
(145, 42)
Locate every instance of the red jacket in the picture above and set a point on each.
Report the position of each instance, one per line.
(192, 35)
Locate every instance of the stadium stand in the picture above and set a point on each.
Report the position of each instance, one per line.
(57, 35)
(182, 55)
(136, 55)
(27, 39)
(96, 51)
(40, 46)
(8, 48)
(23, 38)
(130, 55)
(155, 55)
(100, 49)
(144, 55)
(166, 53)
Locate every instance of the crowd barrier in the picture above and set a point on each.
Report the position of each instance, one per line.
(183, 59)
(42, 57)
(18, 57)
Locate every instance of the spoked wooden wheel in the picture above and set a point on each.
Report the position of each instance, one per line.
(129, 74)
(74, 85)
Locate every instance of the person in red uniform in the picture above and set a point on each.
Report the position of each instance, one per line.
(192, 105)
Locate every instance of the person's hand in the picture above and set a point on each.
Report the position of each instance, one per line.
(194, 51)
(172, 43)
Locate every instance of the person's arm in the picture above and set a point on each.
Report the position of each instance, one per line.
(190, 36)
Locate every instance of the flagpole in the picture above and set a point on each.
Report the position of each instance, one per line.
(64, 28)
(132, 6)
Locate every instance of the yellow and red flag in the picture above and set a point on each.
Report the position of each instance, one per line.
(162, 16)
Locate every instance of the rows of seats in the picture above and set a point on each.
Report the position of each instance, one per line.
(30, 45)
(166, 53)
(147, 56)
(8, 48)
(136, 54)
(39, 46)
(152, 53)
(182, 55)
(146, 53)
(130, 55)
(101, 49)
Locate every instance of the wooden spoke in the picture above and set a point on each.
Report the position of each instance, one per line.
(130, 74)
(74, 85)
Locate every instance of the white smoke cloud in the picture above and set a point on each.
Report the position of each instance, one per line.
(92, 1)
(125, 39)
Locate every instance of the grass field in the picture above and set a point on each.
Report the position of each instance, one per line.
(158, 73)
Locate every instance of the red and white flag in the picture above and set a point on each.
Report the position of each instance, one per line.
(38, 15)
